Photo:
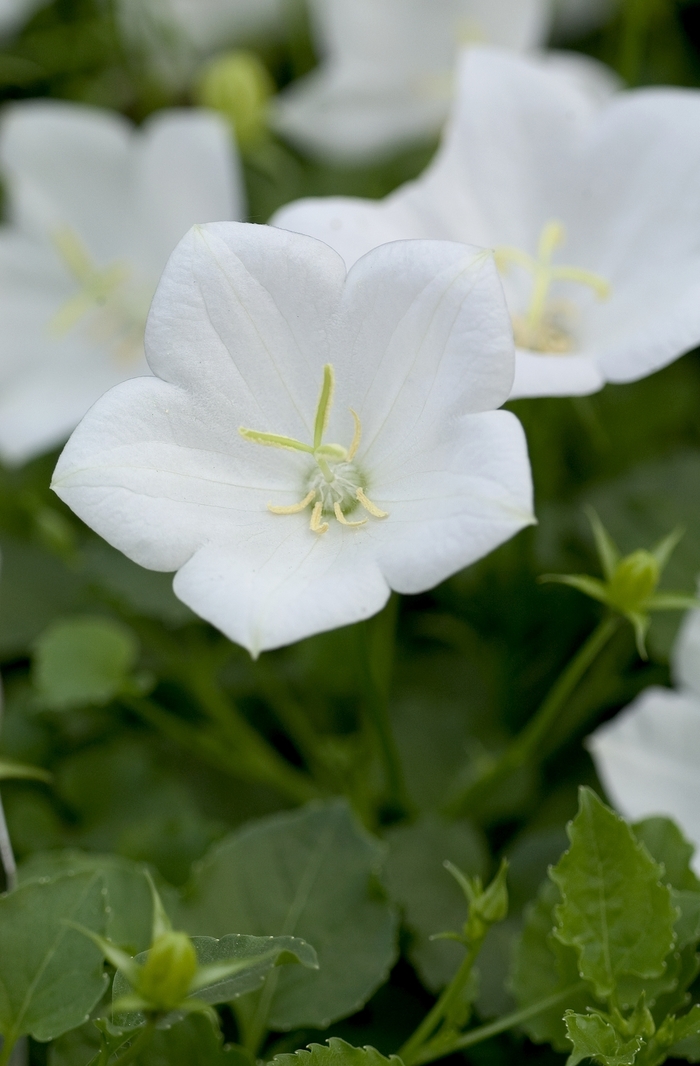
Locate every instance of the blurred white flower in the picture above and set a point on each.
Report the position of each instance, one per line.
(386, 72)
(648, 757)
(95, 207)
(592, 207)
(15, 12)
(174, 35)
(311, 441)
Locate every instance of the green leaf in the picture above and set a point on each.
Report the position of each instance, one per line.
(261, 952)
(307, 873)
(666, 844)
(130, 909)
(686, 1036)
(688, 921)
(595, 1038)
(83, 661)
(542, 966)
(431, 900)
(614, 911)
(51, 976)
(335, 1052)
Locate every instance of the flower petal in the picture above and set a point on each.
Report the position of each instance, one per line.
(555, 375)
(686, 654)
(648, 756)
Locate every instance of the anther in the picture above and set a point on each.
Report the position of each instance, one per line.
(316, 525)
(296, 508)
(370, 507)
(352, 450)
(343, 520)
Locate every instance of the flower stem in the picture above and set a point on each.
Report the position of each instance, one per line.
(429, 1053)
(526, 747)
(410, 1051)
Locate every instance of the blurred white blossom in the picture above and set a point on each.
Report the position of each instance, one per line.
(14, 12)
(311, 440)
(386, 72)
(648, 756)
(591, 203)
(95, 207)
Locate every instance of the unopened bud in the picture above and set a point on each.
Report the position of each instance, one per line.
(168, 971)
(489, 906)
(239, 86)
(634, 581)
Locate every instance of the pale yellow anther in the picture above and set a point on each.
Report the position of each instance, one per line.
(316, 524)
(370, 507)
(352, 450)
(296, 508)
(96, 285)
(343, 520)
(538, 328)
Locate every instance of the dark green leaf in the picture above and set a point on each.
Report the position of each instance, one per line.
(666, 844)
(82, 661)
(335, 1053)
(307, 874)
(595, 1038)
(614, 911)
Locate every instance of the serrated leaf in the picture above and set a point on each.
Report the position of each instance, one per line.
(595, 1038)
(336, 1052)
(542, 966)
(82, 661)
(615, 912)
(307, 873)
(51, 976)
(431, 900)
(666, 844)
(688, 922)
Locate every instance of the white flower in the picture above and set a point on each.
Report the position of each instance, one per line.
(310, 441)
(176, 34)
(95, 208)
(648, 757)
(14, 12)
(386, 75)
(592, 206)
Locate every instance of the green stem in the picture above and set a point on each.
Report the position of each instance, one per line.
(295, 721)
(134, 1049)
(526, 747)
(485, 1032)
(234, 759)
(8, 1046)
(410, 1052)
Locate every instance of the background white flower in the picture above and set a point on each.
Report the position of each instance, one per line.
(648, 756)
(602, 191)
(246, 322)
(15, 12)
(95, 207)
(387, 69)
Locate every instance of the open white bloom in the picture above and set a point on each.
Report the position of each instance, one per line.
(14, 12)
(95, 207)
(592, 207)
(387, 69)
(312, 439)
(648, 757)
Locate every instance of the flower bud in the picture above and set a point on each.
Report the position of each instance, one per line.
(634, 581)
(238, 85)
(168, 971)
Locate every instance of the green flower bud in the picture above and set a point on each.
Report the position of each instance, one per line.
(239, 86)
(168, 971)
(634, 580)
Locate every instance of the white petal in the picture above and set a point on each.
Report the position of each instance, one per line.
(686, 654)
(14, 12)
(68, 165)
(428, 337)
(648, 757)
(555, 375)
(187, 172)
(244, 311)
(453, 501)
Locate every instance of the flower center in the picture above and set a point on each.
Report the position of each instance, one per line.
(543, 327)
(117, 305)
(335, 484)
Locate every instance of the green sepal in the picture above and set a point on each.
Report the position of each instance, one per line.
(118, 958)
(590, 586)
(608, 552)
(15, 771)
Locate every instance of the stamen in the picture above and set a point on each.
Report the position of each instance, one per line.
(352, 450)
(343, 520)
(274, 440)
(317, 526)
(296, 508)
(370, 507)
(325, 404)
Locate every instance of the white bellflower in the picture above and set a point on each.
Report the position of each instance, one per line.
(311, 439)
(95, 207)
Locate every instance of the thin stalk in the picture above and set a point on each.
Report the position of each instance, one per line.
(7, 855)
(295, 721)
(219, 752)
(485, 1032)
(526, 747)
(410, 1052)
